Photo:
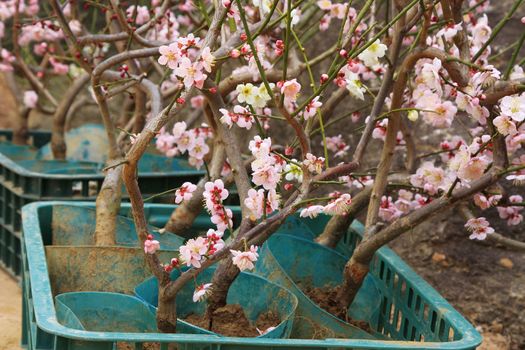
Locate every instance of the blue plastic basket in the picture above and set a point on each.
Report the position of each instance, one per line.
(411, 312)
(25, 179)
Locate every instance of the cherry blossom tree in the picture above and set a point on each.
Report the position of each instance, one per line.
(225, 84)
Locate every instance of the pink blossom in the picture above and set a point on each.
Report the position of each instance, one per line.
(191, 73)
(141, 14)
(449, 31)
(268, 176)
(185, 192)
(214, 240)
(311, 211)
(192, 252)
(199, 149)
(197, 101)
(325, 5)
(505, 125)
(215, 191)
(387, 210)
(30, 99)
(245, 260)
(338, 145)
(473, 169)
(201, 292)
(311, 108)
(404, 201)
(151, 246)
(511, 214)
(479, 227)
(514, 107)
(290, 89)
(208, 60)
(483, 202)
(315, 165)
(169, 55)
(339, 206)
(255, 203)
(223, 219)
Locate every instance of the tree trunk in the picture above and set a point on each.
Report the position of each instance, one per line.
(223, 277)
(353, 277)
(107, 207)
(58, 141)
(182, 217)
(20, 129)
(166, 313)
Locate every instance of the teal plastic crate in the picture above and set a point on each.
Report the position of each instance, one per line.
(24, 179)
(408, 305)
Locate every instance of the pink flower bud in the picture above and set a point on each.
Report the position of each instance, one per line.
(343, 53)
(324, 78)
(235, 53)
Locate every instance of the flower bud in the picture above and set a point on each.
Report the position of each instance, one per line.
(235, 53)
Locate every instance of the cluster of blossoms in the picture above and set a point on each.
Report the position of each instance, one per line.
(187, 64)
(267, 169)
(338, 205)
(479, 227)
(337, 145)
(182, 140)
(255, 99)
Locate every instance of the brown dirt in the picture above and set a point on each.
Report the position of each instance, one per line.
(10, 313)
(326, 298)
(231, 321)
(471, 277)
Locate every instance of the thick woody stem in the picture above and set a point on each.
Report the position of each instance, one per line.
(58, 142)
(227, 272)
(384, 90)
(167, 289)
(357, 267)
(166, 313)
(394, 121)
(338, 225)
(107, 207)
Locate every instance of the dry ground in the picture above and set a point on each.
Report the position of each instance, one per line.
(10, 313)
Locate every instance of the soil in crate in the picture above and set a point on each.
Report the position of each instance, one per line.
(326, 298)
(231, 321)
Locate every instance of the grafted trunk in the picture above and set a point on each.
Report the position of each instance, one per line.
(223, 277)
(107, 207)
(166, 313)
(353, 277)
